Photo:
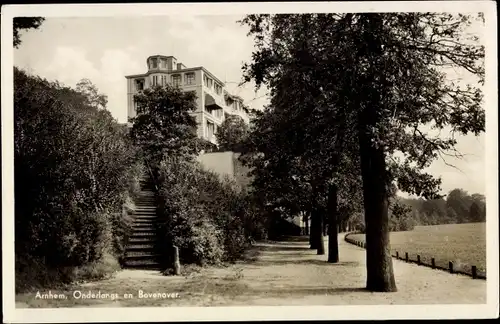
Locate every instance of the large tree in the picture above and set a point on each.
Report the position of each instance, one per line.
(163, 125)
(232, 133)
(387, 72)
(91, 94)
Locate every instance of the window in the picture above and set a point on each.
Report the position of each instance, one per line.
(163, 80)
(189, 78)
(163, 63)
(205, 80)
(210, 83)
(154, 63)
(139, 84)
(210, 129)
(136, 106)
(218, 89)
(155, 80)
(176, 80)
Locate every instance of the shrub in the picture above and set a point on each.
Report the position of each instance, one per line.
(210, 219)
(74, 169)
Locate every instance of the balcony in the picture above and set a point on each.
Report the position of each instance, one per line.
(213, 106)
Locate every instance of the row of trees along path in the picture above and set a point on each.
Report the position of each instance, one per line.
(354, 98)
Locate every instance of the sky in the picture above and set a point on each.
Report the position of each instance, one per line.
(106, 49)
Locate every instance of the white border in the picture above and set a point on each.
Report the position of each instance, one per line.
(489, 310)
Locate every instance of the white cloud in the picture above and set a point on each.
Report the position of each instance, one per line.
(69, 65)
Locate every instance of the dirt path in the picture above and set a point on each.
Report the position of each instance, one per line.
(281, 273)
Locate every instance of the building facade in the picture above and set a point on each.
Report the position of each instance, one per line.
(214, 102)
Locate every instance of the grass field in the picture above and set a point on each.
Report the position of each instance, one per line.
(463, 244)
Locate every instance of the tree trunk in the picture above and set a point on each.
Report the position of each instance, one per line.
(325, 223)
(380, 273)
(333, 244)
(306, 224)
(321, 241)
(313, 231)
(316, 231)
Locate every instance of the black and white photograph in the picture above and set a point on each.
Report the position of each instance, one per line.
(249, 161)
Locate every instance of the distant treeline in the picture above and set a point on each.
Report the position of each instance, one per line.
(458, 207)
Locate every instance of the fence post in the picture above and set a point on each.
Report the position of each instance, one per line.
(450, 266)
(474, 272)
(406, 256)
(418, 259)
(397, 255)
(177, 264)
(433, 263)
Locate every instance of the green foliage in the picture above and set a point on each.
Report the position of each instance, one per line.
(209, 219)
(74, 169)
(25, 23)
(232, 133)
(459, 207)
(353, 58)
(297, 147)
(91, 94)
(400, 218)
(163, 125)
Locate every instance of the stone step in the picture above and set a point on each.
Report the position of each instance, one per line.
(144, 246)
(137, 226)
(145, 221)
(143, 228)
(142, 240)
(140, 255)
(143, 234)
(142, 264)
(145, 212)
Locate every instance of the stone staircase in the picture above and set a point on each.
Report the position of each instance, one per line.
(141, 250)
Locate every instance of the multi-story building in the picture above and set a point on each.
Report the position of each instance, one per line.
(214, 102)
